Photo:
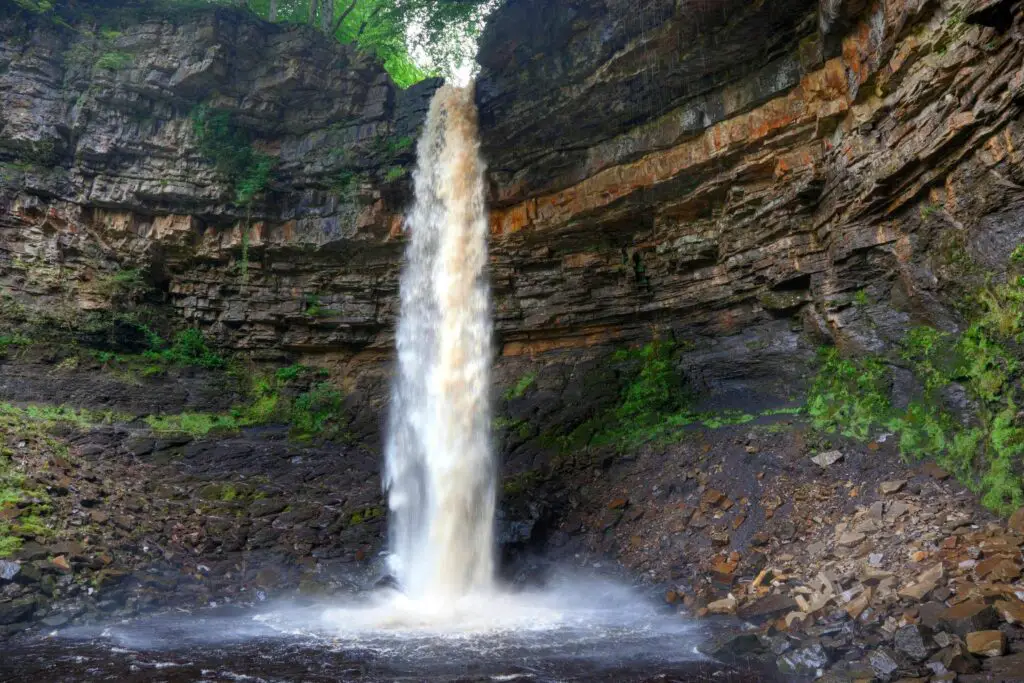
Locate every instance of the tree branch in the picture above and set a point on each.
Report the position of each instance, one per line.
(366, 21)
(337, 24)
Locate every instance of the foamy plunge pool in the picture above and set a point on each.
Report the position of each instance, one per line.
(575, 631)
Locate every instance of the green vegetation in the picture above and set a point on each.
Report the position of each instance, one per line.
(656, 389)
(188, 349)
(652, 406)
(851, 396)
(399, 145)
(32, 427)
(861, 298)
(442, 37)
(195, 424)
(521, 387)
(521, 483)
(40, 418)
(366, 515)
(315, 309)
(520, 427)
(113, 61)
(230, 148)
(123, 287)
(14, 339)
(394, 173)
(315, 413)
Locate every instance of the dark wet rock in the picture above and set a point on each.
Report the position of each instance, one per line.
(266, 507)
(55, 620)
(883, 663)
(972, 615)
(957, 659)
(30, 573)
(33, 551)
(17, 610)
(9, 570)
(915, 642)
(767, 607)
(732, 646)
(805, 661)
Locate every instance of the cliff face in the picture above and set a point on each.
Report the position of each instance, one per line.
(132, 149)
(751, 179)
(748, 170)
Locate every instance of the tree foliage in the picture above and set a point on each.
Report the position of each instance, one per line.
(412, 38)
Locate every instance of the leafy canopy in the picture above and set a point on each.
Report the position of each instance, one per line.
(412, 38)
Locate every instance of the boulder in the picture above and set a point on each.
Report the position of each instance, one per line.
(986, 643)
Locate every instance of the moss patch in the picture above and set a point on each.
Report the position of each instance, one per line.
(851, 396)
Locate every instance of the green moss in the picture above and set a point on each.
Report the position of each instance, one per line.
(521, 483)
(521, 386)
(365, 515)
(189, 348)
(113, 61)
(41, 417)
(851, 396)
(31, 526)
(194, 424)
(848, 395)
(291, 373)
(12, 341)
(861, 298)
(315, 309)
(229, 146)
(656, 388)
(9, 543)
(318, 413)
(314, 414)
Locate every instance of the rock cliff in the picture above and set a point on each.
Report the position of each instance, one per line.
(744, 171)
(730, 175)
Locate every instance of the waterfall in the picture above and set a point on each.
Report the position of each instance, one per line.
(439, 472)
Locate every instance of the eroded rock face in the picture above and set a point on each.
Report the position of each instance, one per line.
(792, 181)
(750, 178)
(102, 167)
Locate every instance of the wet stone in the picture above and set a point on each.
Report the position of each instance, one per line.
(732, 646)
(957, 659)
(1016, 522)
(17, 610)
(883, 663)
(827, 459)
(972, 615)
(806, 661)
(56, 620)
(986, 643)
(8, 570)
(887, 488)
(768, 606)
(915, 641)
(265, 507)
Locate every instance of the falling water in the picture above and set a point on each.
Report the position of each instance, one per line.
(439, 473)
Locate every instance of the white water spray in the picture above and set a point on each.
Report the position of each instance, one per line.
(439, 472)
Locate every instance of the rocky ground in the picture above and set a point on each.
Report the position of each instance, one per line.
(834, 558)
(813, 554)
